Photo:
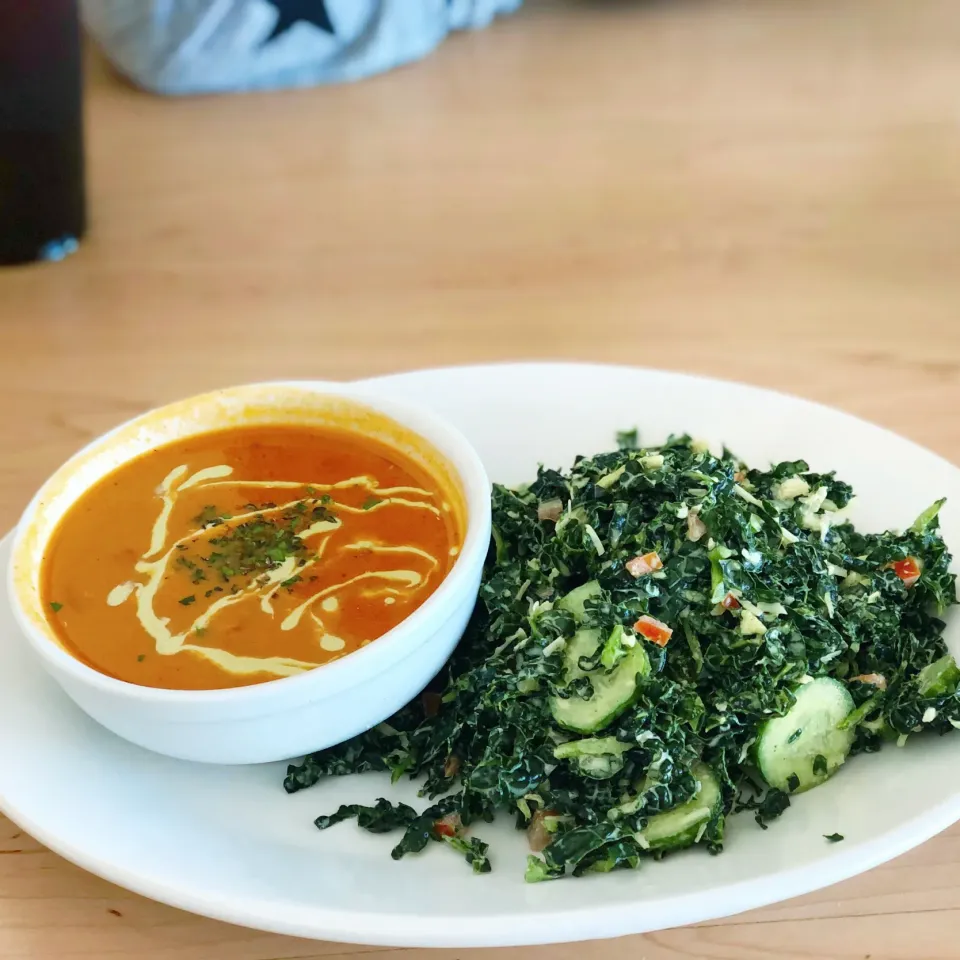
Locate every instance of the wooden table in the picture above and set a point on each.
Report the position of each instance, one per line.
(754, 189)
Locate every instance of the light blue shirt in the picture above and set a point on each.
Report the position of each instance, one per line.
(201, 46)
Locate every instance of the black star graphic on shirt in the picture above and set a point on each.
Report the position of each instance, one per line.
(290, 12)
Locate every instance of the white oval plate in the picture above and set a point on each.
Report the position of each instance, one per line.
(229, 843)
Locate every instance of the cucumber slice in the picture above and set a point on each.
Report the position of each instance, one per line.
(682, 826)
(804, 748)
(939, 678)
(573, 601)
(598, 758)
(612, 692)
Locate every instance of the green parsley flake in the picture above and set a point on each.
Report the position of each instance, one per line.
(193, 568)
(210, 516)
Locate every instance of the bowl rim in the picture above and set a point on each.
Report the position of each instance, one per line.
(438, 435)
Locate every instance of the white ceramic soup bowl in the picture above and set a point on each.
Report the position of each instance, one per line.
(287, 717)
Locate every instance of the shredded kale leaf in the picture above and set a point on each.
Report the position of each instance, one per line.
(764, 585)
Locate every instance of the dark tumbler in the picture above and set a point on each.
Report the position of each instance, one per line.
(42, 208)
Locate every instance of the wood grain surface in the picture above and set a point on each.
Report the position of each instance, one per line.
(762, 190)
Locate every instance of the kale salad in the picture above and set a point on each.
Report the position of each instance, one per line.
(663, 637)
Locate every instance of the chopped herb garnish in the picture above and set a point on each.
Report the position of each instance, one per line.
(196, 573)
(200, 631)
(210, 516)
(291, 581)
(260, 544)
(833, 837)
(186, 601)
(141, 657)
(371, 502)
(56, 607)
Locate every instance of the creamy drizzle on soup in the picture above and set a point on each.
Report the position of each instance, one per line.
(238, 577)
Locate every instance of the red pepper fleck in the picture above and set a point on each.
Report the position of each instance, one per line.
(908, 570)
(641, 566)
(653, 630)
(730, 602)
(448, 826)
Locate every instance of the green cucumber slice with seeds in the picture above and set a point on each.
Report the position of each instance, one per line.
(684, 825)
(573, 602)
(802, 749)
(613, 692)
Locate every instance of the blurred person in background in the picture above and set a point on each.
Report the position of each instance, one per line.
(207, 46)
